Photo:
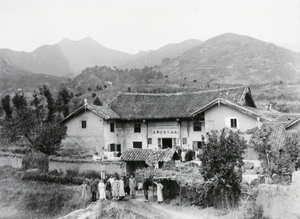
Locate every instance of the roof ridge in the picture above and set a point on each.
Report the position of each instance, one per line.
(179, 93)
(107, 105)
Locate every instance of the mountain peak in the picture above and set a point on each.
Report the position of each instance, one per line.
(88, 39)
(65, 40)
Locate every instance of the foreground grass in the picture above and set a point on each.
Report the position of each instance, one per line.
(31, 199)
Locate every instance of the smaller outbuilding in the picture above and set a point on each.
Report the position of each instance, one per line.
(140, 158)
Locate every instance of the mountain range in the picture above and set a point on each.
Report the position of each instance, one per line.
(232, 58)
(227, 58)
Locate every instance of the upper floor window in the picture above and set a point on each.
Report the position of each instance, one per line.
(197, 126)
(112, 127)
(137, 144)
(149, 140)
(184, 140)
(137, 127)
(233, 123)
(83, 124)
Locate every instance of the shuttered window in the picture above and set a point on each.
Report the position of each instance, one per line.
(137, 127)
(197, 126)
(83, 124)
(137, 144)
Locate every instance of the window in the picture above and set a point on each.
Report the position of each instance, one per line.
(149, 140)
(137, 127)
(233, 123)
(197, 145)
(184, 140)
(197, 126)
(137, 144)
(115, 147)
(83, 124)
(112, 127)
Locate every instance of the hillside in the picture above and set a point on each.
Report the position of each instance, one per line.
(169, 51)
(66, 57)
(235, 59)
(14, 78)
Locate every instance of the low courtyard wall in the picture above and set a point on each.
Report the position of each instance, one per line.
(9, 159)
(82, 165)
(280, 201)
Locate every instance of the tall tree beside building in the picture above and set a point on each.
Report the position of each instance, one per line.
(36, 121)
(221, 160)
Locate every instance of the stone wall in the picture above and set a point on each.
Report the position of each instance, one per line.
(81, 165)
(280, 201)
(13, 160)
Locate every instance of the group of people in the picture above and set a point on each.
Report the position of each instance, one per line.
(118, 188)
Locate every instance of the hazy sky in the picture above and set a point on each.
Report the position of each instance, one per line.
(134, 25)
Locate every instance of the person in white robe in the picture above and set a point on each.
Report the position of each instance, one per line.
(101, 188)
(132, 185)
(159, 191)
(121, 188)
(115, 188)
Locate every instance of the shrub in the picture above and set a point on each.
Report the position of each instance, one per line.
(48, 178)
(90, 174)
(36, 160)
(221, 160)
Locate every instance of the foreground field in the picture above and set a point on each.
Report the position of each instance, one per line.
(29, 199)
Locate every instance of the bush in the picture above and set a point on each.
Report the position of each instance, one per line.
(221, 160)
(91, 174)
(48, 178)
(36, 161)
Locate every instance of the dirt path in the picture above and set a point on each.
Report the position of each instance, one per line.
(140, 209)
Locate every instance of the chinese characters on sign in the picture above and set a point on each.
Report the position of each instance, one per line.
(165, 132)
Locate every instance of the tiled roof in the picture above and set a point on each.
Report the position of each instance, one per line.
(144, 154)
(292, 122)
(279, 134)
(253, 112)
(175, 105)
(102, 111)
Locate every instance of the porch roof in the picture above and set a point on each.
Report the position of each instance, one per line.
(136, 154)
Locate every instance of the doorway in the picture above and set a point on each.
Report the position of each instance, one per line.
(166, 143)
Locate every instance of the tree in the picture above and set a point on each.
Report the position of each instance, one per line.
(276, 160)
(5, 101)
(44, 90)
(29, 121)
(62, 101)
(97, 102)
(221, 160)
(261, 143)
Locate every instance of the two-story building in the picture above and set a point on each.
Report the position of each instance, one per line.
(159, 121)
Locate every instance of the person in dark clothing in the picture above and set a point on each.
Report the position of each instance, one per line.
(146, 188)
(94, 190)
(108, 190)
